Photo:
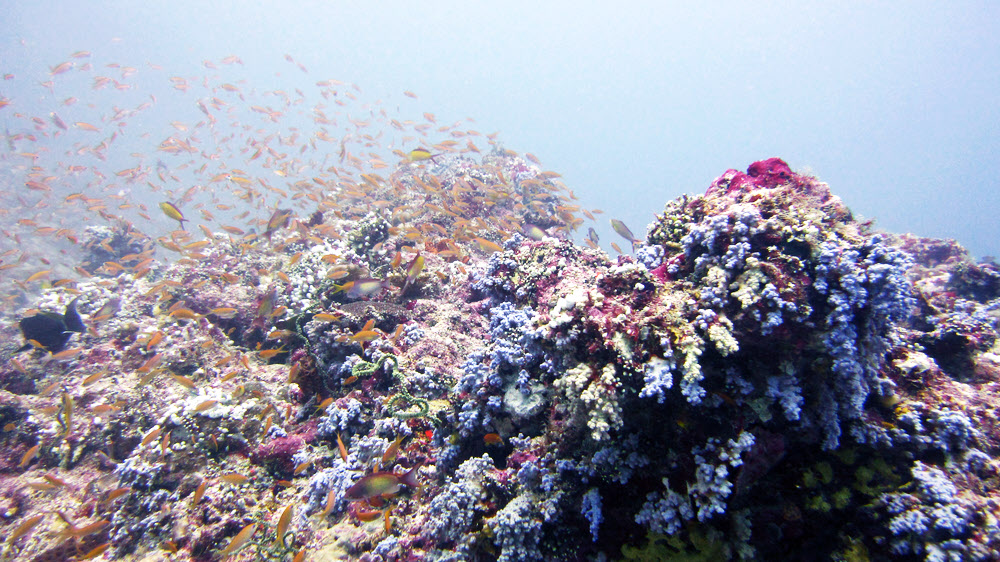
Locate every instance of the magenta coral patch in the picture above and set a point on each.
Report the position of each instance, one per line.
(278, 452)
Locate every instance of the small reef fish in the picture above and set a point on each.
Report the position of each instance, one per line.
(331, 502)
(66, 413)
(51, 330)
(267, 354)
(380, 483)
(54, 480)
(366, 287)
(280, 334)
(150, 364)
(266, 306)
(487, 246)
(28, 455)
(337, 273)
(150, 436)
(419, 154)
(64, 355)
(38, 275)
(205, 405)
(234, 478)
(341, 448)
(366, 515)
(592, 235)
(279, 219)
(173, 212)
(224, 312)
(391, 451)
(155, 339)
(24, 528)
(96, 551)
(412, 271)
(107, 311)
(365, 336)
(199, 492)
(78, 532)
(624, 232)
(117, 493)
(239, 541)
(533, 231)
(91, 379)
(324, 404)
(284, 521)
(184, 314)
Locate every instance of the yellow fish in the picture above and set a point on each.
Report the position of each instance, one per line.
(418, 154)
(173, 212)
(412, 270)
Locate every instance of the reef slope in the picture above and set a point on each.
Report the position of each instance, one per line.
(766, 378)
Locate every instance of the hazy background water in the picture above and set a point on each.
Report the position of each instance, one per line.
(893, 104)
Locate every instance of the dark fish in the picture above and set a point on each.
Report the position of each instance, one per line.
(72, 319)
(592, 236)
(315, 219)
(279, 219)
(51, 329)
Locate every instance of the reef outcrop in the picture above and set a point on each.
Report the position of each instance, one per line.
(766, 376)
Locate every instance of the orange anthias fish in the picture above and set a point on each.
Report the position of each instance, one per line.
(379, 483)
(487, 246)
(239, 541)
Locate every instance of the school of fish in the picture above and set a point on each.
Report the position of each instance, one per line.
(121, 180)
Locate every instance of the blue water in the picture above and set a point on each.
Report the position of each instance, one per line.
(633, 104)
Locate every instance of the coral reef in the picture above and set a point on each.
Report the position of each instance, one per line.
(427, 367)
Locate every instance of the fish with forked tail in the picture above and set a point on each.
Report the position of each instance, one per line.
(51, 329)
